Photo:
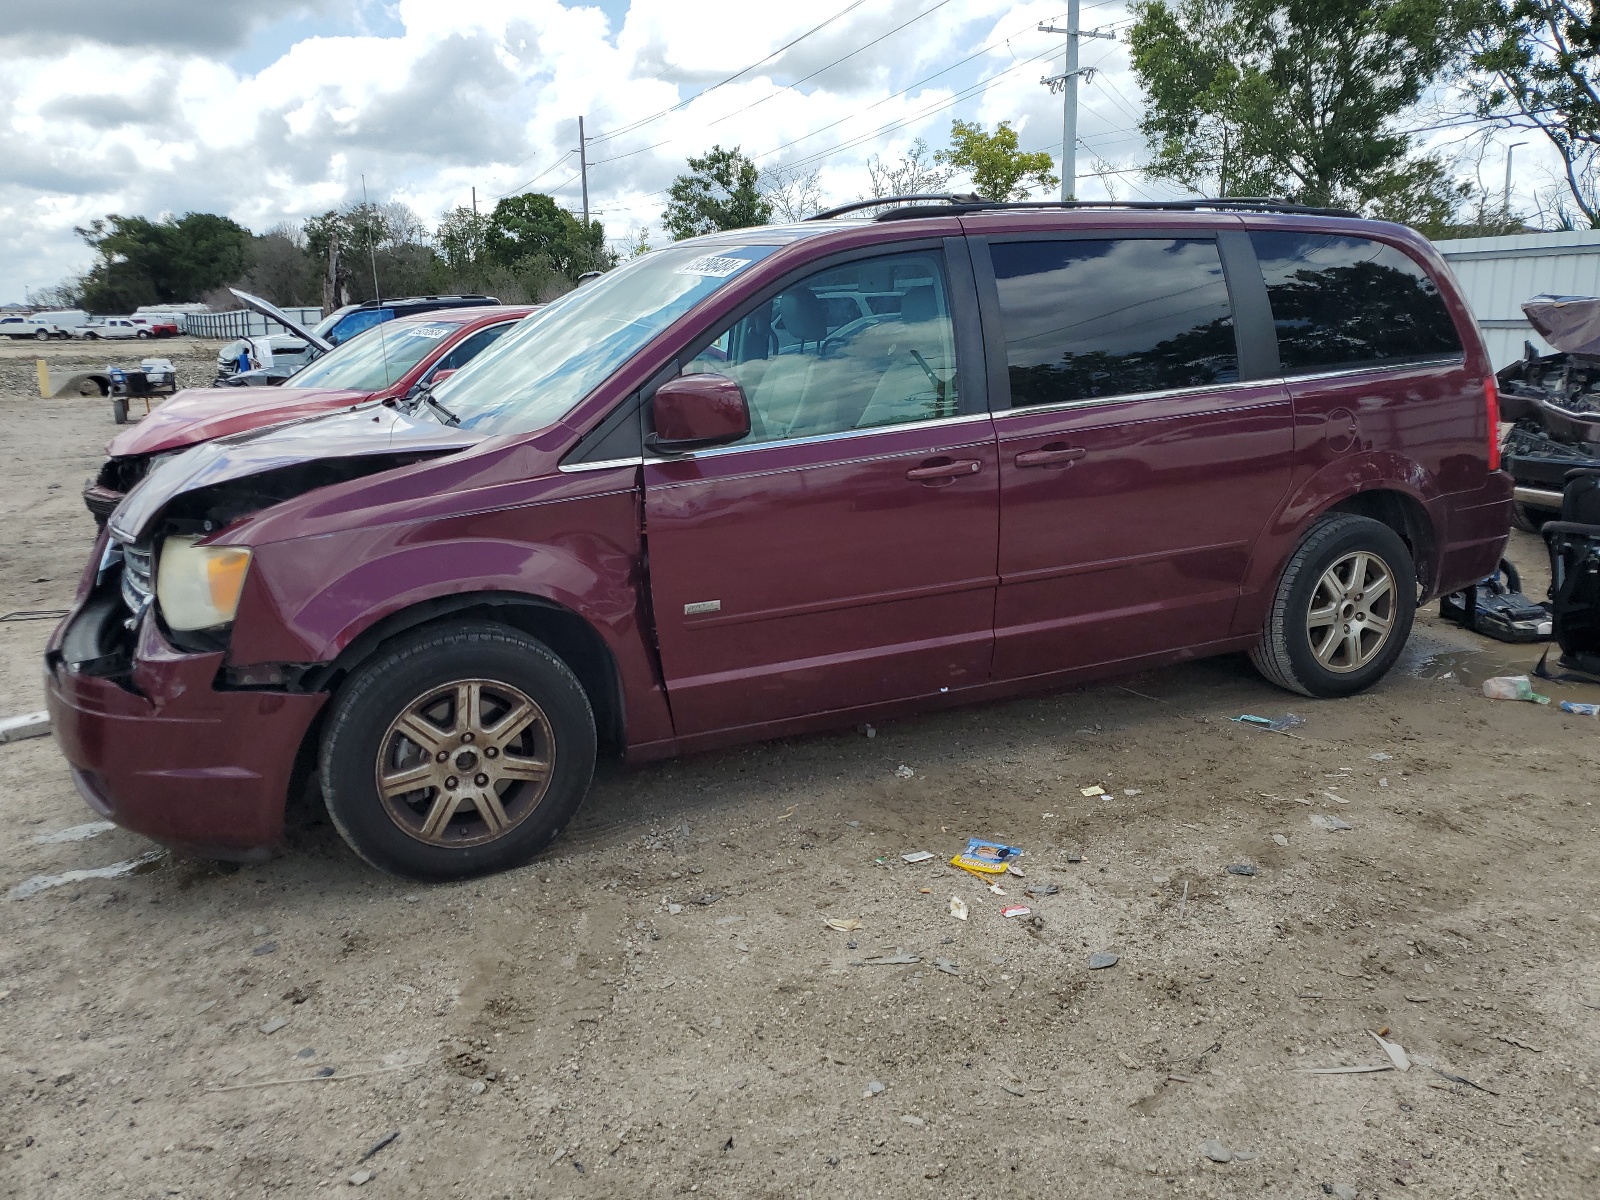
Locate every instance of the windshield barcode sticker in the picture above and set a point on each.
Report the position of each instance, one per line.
(430, 331)
(717, 266)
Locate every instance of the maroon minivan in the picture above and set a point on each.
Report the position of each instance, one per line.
(781, 479)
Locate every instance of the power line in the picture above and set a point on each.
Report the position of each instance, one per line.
(978, 53)
(955, 99)
(790, 86)
(524, 187)
(737, 74)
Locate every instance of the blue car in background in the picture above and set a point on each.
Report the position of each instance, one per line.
(283, 354)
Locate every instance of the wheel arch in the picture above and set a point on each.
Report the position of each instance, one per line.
(568, 635)
(1382, 488)
(1403, 513)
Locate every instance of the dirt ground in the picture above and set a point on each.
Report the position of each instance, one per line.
(657, 1007)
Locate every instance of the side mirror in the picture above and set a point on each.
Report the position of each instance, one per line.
(695, 412)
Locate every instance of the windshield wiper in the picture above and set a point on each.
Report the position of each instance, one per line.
(424, 395)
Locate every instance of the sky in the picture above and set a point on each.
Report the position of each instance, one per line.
(276, 110)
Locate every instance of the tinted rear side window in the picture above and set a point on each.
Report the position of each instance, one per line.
(1343, 302)
(1087, 319)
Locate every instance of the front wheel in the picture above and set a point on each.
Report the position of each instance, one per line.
(1342, 610)
(459, 750)
(91, 336)
(143, 333)
(41, 335)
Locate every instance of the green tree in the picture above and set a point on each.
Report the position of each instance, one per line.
(388, 238)
(1293, 98)
(526, 227)
(999, 170)
(1537, 62)
(175, 260)
(720, 191)
(463, 240)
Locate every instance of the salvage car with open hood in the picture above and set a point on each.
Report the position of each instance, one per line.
(783, 479)
(387, 362)
(1553, 404)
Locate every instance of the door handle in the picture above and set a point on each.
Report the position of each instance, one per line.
(1053, 455)
(948, 470)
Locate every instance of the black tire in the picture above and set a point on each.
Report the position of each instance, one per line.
(119, 410)
(42, 335)
(1285, 655)
(143, 333)
(1530, 520)
(91, 336)
(360, 734)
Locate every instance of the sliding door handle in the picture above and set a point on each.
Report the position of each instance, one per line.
(1053, 455)
(950, 469)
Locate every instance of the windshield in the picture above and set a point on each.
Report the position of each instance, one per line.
(539, 371)
(376, 359)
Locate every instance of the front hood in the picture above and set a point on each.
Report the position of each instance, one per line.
(268, 309)
(364, 440)
(201, 414)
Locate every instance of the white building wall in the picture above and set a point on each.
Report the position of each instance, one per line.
(1498, 273)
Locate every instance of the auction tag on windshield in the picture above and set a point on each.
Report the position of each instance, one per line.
(430, 331)
(716, 266)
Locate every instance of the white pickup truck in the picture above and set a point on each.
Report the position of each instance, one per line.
(25, 327)
(112, 327)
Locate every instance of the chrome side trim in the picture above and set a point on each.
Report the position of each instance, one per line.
(603, 465)
(1222, 390)
(1373, 368)
(841, 435)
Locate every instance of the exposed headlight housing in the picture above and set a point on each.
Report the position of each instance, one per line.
(198, 587)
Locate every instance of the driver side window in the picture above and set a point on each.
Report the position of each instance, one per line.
(858, 346)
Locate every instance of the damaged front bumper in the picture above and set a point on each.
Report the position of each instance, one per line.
(156, 746)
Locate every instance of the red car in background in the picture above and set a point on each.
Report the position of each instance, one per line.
(388, 362)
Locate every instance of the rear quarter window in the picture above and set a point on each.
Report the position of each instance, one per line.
(1090, 318)
(1347, 302)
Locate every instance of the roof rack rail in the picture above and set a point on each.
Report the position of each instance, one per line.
(971, 198)
(957, 204)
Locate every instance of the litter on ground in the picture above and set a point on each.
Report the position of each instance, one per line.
(1512, 687)
(985, 858)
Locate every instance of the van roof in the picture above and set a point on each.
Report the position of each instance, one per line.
(945, 204)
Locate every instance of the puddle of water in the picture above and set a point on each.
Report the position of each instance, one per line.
(78, 833)
(1470, 667)
(144, 864)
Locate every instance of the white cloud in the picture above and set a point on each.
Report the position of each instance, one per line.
(147, 118)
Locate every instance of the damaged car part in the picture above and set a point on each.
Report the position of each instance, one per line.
(1553, 403)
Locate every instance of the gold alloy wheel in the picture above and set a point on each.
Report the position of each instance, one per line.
(1352, 612)
(466, 763)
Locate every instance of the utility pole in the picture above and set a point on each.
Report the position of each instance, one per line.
(1067, 82)
(583, 170)
(372, 239)
(474, 201)
(1505, 197)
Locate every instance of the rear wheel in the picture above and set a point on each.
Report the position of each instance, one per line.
(41, 335)
(91, 336)
(457, 751)
(1342, 610)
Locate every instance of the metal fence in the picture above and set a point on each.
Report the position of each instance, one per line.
(225, 326)
(1498, 273)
